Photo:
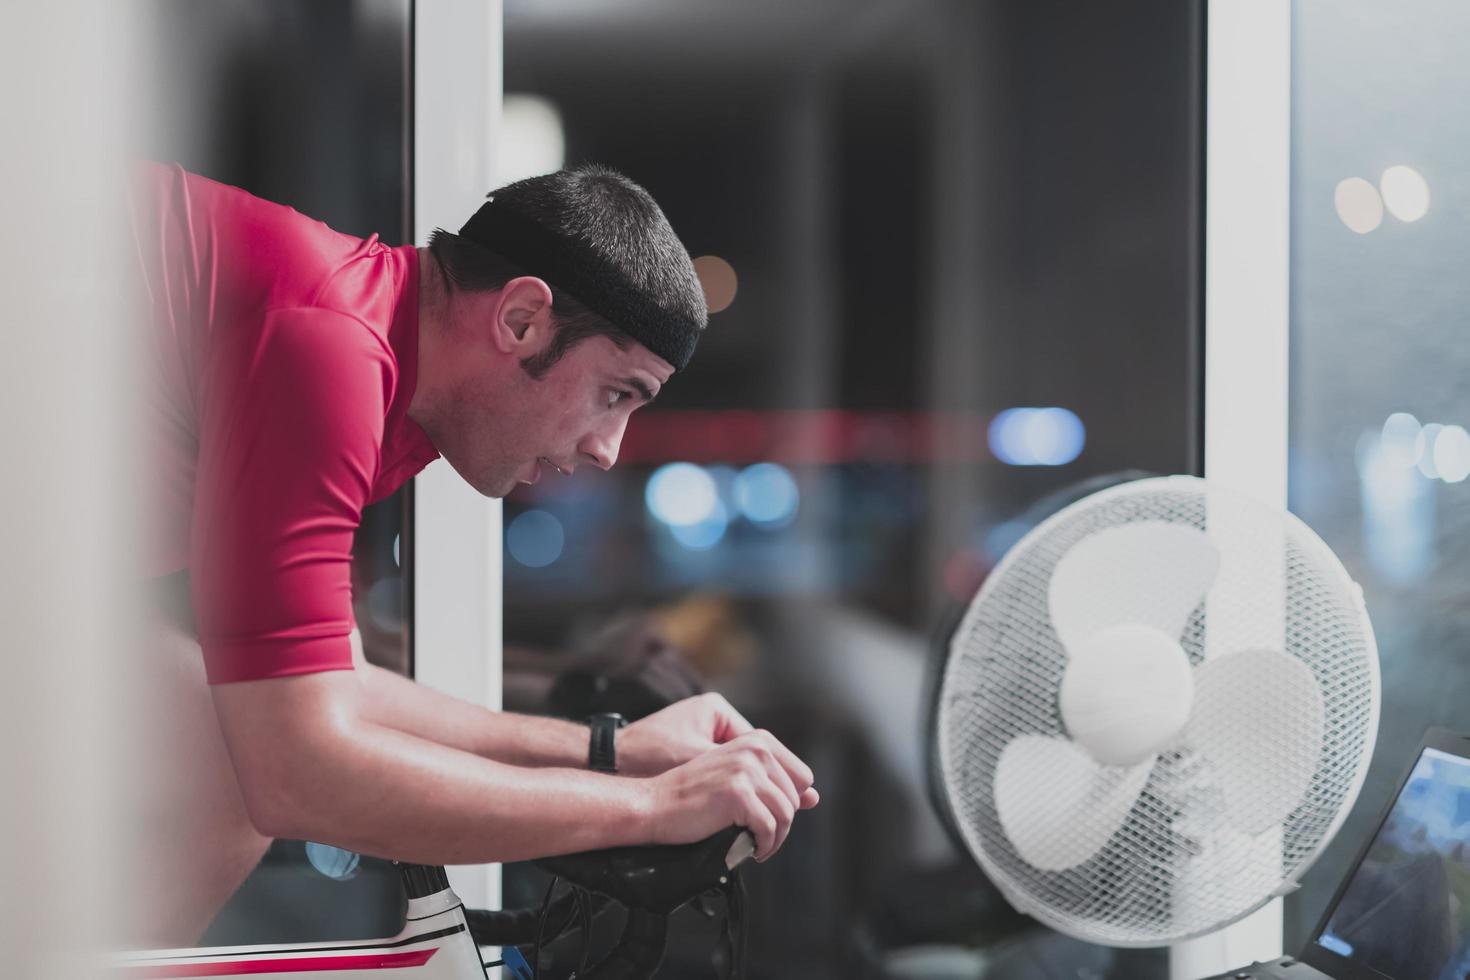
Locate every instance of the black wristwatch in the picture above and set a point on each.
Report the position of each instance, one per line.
(602, 755)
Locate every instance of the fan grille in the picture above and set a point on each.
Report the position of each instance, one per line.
(1177, 868)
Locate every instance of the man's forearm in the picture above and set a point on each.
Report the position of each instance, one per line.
(396, 702)
(315, 770)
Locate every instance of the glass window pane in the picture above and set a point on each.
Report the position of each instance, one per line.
(1380, 230)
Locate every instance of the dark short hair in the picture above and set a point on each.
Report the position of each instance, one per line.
(473, 267)
(601, 241)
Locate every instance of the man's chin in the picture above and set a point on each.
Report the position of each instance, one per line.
(493, 484)
(492, 489)
(499, 489)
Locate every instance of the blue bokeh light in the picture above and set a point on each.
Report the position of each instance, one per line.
(535, 538)
(1398, 513)
(766, 494)
(1037, 436)
(682, 495)
(703, 535)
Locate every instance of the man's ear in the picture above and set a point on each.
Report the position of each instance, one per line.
(523, 318)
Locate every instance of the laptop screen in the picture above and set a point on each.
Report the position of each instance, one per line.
(1405, 913)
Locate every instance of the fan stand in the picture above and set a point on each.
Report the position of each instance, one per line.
(1257, 937)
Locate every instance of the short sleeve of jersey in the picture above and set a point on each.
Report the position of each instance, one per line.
(289, 442)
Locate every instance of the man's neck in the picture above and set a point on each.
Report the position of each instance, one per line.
(433, 306)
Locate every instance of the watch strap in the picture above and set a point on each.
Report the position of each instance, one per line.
(602, 743)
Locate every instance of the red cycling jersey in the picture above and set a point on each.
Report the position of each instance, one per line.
(280, 365)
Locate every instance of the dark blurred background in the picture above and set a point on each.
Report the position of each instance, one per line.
(935, 214)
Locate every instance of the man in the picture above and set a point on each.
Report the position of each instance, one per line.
(297, 375)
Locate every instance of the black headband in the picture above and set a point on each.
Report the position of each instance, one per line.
(571, 264)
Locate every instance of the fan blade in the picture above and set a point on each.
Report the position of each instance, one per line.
(1150, 572)
(1057, 805)
(1257, 719)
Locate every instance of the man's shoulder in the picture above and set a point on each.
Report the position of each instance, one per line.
(324, 336)
(255, 248)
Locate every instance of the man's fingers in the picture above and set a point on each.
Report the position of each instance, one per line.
(782, 780)
(781, 811)
(810, 798)
(759, 821)
(800, 772)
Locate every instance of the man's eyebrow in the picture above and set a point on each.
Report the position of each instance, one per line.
(642, 389)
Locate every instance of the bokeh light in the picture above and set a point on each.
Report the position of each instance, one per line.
(533, 139)
(766, 494)
(681, 494)
(1358, 205)
(1452, 454)
(1399, 436)
(535, 538)
(703, 534)
(718, 279)
(1037, 436)
(1397, 515)
(1424, 449)
(1405, 193)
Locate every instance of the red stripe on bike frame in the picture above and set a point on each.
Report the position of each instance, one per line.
(285, 964)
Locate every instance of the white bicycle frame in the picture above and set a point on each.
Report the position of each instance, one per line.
(434, 944)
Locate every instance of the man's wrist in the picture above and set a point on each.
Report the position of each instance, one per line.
(644, 808)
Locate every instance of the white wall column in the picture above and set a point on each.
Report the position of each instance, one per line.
(457, 542)
(1247, 292)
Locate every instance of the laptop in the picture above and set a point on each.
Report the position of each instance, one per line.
(1403, 910)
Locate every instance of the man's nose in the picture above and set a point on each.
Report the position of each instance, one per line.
(601, 447)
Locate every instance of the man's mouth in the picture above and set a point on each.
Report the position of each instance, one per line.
(535, 476)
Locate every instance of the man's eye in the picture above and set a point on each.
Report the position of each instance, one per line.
(615, 395)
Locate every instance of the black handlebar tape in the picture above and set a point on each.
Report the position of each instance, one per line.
(655, 878)
(423, 880)
(639, 951)
(518, 927)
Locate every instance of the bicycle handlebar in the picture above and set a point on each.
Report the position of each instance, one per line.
(651, 881)
(656, 878)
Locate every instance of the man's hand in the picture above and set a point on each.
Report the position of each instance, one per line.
(752, 781)
(671, 737)
(683, 731)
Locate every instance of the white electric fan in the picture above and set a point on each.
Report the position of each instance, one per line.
(1157, 712)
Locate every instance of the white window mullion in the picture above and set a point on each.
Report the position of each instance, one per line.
(1247, 291)
(457, 543)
